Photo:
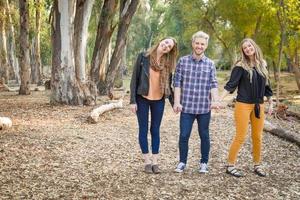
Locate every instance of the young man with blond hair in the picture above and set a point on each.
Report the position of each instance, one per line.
(196, 93)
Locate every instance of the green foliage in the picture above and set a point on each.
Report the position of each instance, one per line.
(226, 21)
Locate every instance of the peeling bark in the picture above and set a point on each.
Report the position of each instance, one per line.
(65, 88)
(82, 17)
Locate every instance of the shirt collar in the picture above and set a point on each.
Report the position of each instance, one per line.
(202, 59)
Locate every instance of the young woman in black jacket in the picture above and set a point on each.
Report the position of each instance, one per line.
(150, 85)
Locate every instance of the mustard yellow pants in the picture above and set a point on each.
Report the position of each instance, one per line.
(243, 114)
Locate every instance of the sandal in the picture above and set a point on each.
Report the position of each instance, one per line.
(234, 172)
(259, 171)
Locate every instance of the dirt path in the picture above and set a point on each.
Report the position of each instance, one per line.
(53, 153)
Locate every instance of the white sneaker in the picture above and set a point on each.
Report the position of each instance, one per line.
(203, 168)
(180, 167)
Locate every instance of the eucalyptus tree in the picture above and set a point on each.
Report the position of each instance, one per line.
(138, 33)
(11, 42)
(36, 65)
(82, 18)
(127, 10)
(106, 27)
(66, 88)
(4, 67)
(24, 48)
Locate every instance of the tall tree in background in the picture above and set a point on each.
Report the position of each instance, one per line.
(281, 16)
(104, 33)
(36, 66)
(24, 48)
(293, 44)
(82, 18)
(4, 67)
(65, 87)
(127, 10)
(11, 45)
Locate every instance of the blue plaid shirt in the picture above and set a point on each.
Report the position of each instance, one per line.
(196, 79)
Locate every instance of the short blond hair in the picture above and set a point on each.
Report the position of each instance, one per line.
(200, 34)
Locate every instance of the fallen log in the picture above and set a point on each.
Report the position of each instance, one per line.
(94, 116)
(269, 127)
(5, 123)
(293, 114)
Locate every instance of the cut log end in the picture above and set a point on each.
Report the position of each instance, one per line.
(5, 123)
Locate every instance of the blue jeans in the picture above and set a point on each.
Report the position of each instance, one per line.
(157, 108)
(186, 124)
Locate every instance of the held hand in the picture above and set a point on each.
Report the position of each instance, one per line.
(133, 108)
(215, 105)
(177, 107)
(222, 104)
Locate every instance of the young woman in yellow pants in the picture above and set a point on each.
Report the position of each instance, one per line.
(250, 77)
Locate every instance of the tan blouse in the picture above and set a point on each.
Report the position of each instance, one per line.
(154, 88)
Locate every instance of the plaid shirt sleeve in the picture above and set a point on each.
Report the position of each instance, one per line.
(178, 75)
(213, 78)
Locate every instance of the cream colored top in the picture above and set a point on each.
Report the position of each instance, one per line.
(154, 88)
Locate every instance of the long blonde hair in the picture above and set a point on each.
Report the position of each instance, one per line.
(170, 57)
(259, 63)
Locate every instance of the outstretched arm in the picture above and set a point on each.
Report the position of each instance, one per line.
(223, 95)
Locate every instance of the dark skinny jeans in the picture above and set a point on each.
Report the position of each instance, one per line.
(156, 108)
(186, 124)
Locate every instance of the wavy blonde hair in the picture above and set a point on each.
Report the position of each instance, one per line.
(170, 57)
(259, 63)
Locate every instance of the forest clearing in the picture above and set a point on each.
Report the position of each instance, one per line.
(61, 60)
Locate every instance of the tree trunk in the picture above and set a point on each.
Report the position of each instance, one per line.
(127, 10)
(82, 18)
(24, 47)
(32, 62)
(122, 68)
(257, 26)
(37, 50)
(11, 46)
(280, 17)
(4, 67)
(295, 66)
(65, 88)
(104, 33)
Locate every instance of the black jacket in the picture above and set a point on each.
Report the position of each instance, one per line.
(248, 92)
(139, 84)
(251, 93)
